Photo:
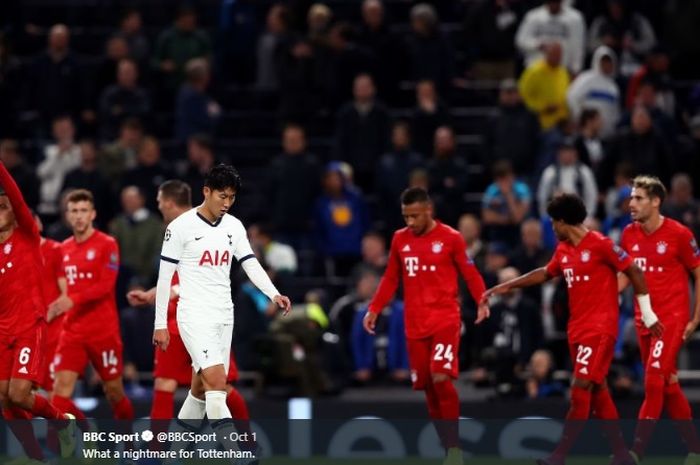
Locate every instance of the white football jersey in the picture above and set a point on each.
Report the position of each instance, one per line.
(203, 252)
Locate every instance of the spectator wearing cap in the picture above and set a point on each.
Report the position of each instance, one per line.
(513, 132)
(505, 204)
(543, 86)
(567, 175)
(596, 88)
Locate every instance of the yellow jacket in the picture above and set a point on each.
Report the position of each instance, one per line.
(542, 86)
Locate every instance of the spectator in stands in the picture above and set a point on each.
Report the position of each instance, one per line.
(505, 204)
(107, 73)
(449, 176)
(341, 219)
(619, 217)
(281, 258)
(375, 35)
(60, 157)
(120, 155)
(543, 86)
(680, 205)
(393, 171)
(269, 42)
(374, 257)
(429, 114)
(540, 383)
(513, 132)
(530, 254)
(125, 99)
(596, 88)
(237, 38)
(649, 97)
(139, 233)
(56, 85)
(430, 53)
(469, 227)
(149, 173)
(195, 111)
(201, 158)
(624, 172)
(555, 21)
(292, 187)
(656, 69)
(361, 132)
(489, 29)
(10, 84)
(297, 76)
(589, 144)
(131, 30)
(319, 20)
(176, 47)
(628, 33)
(567, 175)
(21, 172)
(87, 176)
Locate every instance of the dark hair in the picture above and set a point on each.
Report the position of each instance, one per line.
(203, 140)
(652, 185)
(414, 195)
(80, 195)
(568, 208)
(588, 114)
(177, 191)
(221, 177)
(502, 169)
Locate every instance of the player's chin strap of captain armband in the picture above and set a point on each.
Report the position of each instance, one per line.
(648, 315)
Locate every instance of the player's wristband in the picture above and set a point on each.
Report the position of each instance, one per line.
(648, 315)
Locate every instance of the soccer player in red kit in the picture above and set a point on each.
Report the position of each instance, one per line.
(22, 322)
(589, 263)
(667, 253)
(91, 327)
(173, 367)
(428, 256)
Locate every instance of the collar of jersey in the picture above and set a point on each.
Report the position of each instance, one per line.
(214, 224)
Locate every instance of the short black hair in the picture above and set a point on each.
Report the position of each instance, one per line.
(177, 191)
(588, 114)
(221, 177)
(414, 195)
(568, 208)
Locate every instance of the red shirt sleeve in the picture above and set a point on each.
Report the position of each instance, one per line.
(23, 215)
(468, 270)
(553, 269)
(688, 250)
(107, 279)
(613, 255)
(390, 280)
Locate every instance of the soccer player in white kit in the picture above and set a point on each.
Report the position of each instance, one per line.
(201, 245)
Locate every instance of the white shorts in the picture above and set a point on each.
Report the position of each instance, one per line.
(209, 344)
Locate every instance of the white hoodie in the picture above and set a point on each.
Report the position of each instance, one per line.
(593, 89)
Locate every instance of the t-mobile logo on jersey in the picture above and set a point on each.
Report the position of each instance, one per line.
(411, 265)
(71, 274)
(641, 262)
(570, 277)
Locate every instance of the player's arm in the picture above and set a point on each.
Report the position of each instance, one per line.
(533, 278)
(649, 318)
(23, 215)
(259, 277)
(53, 311)
(474, 280)
(622, 282)
(386, 289)
(171, 252)
(141, 297)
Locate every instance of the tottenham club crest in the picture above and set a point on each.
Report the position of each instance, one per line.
(661, 247)
(586, 256)
(90, 254)
(168, 234)
(7, 249)
(437, 247)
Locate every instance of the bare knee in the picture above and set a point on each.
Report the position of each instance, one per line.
(214, 378)
(165, 385)
(20, 394)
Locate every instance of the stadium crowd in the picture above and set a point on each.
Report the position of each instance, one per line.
(330, 110)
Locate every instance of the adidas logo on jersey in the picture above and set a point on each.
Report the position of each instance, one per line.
(635, 248)
(656, 365)
(23, 370)
(447, 366)
(406, 248)
(565, 260)
(583, 370)
(113, 371)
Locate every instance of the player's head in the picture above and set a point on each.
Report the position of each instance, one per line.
(566, 211)
(648, 193)
(174, 197)
(417, 209)
(80, 210)
(7, 215)
(221, 184)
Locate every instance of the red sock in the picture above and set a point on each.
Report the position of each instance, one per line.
(64, 404)
(43, 408)
(604, 409)
(679, 410)
(575, 421)
(21, 427)
(433, 402)
(162, 405)
(650, 412)
(122, 409)
(449, 412)
(241, 417)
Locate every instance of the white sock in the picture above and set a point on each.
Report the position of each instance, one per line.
(192, 408)
(216, 405)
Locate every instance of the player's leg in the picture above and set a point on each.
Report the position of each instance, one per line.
(70, 360)
(170, 369)
(106, 357)
(17, 418)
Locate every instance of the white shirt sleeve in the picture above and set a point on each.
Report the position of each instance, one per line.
(259, 277)
(173, 245)
(165, 277)
(577, 41)
(525, 38)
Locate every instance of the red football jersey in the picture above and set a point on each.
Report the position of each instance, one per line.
(666, 256)
(428, 265)
(91, 269)
(22, 300)
(172, 307)
(590, 271)
(51, 254)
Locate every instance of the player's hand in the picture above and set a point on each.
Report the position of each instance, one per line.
(690, 329)
(61, 305)
(283, 302)
(139, 297)
(496, 290)
(482, 313)
(161, 338)
(657, 329)
(369, 322)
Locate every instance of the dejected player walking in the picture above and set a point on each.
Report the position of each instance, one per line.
(427, 256)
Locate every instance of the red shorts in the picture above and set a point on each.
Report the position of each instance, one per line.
(660, 355)
(175, 363)
(22, 356)
(434, 354)
(591, 357)
(105, 354)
